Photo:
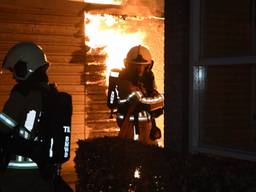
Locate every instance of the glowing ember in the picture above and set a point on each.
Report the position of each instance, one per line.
(137, 173)
(110, 33)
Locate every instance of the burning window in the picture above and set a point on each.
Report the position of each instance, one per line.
(112, 2)
(110, 36)
(112, 27)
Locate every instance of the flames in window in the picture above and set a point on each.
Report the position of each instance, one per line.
(111, 28)
(112, 2)
(112, 35)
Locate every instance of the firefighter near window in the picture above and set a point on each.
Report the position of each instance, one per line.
(35, 125)
(133, 97)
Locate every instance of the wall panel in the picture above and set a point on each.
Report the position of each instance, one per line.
(58, 27)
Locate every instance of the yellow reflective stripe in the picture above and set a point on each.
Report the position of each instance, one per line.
(142, 116)
(50, 150)
(152, 100)
(30, 120)
(137, 94)
(22, 165)
(145, 100)
(8, 121)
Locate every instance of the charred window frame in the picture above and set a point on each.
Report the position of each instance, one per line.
(201, 61)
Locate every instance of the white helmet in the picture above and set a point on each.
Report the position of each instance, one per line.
(23, 59)
(138, 55)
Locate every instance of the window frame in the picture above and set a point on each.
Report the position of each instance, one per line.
(196, 60)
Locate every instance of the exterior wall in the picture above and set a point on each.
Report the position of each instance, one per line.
(97, 121)
(58, 27)
(176, 75)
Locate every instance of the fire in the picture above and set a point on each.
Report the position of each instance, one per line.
(110, 33)
(113, 2)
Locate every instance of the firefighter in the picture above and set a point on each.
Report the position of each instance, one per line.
(24, 147)
(139, 103)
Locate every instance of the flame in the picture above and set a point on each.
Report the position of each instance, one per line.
(112, 2)
(109, 32)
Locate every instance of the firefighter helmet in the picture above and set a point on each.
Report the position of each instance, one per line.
(138, 55)
(23, 59)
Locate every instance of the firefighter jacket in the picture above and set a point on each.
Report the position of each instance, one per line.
(22, 109)
(136, 109)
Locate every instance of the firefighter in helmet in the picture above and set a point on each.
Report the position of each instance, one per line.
(24, 151)
(138, 100)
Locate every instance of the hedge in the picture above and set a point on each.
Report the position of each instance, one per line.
(109, 164)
